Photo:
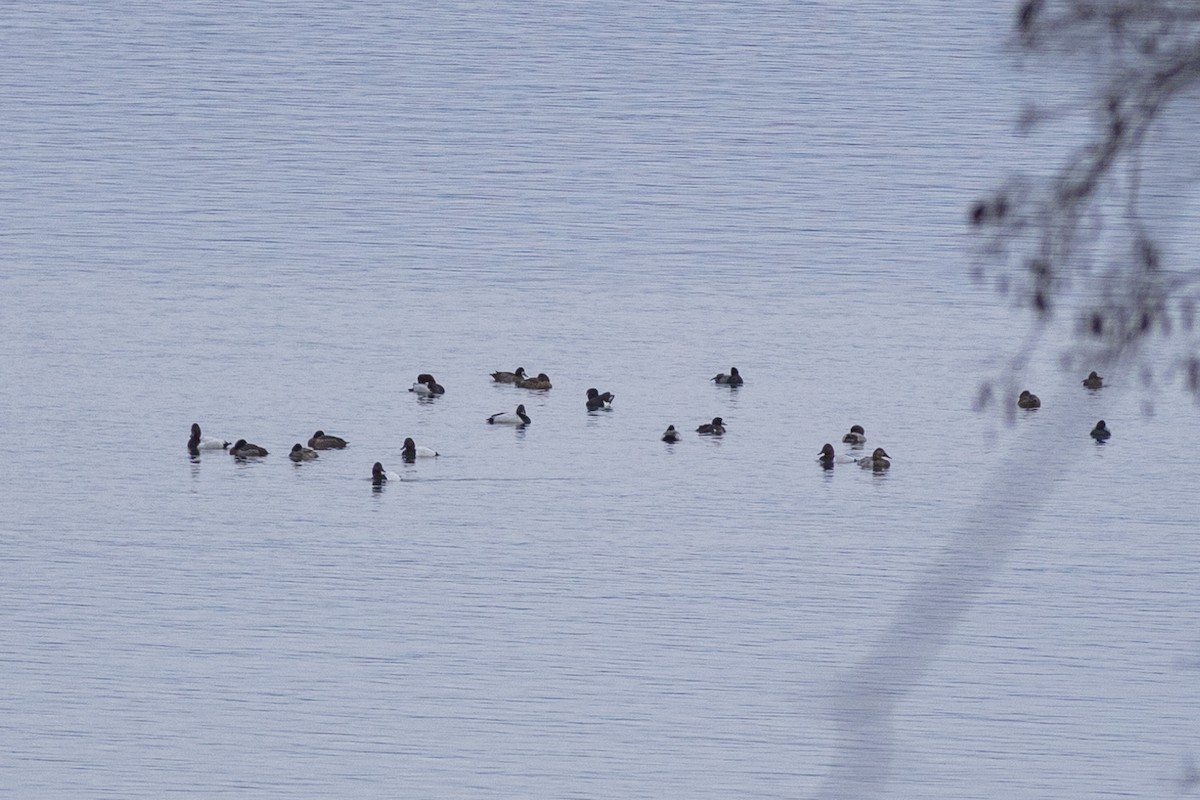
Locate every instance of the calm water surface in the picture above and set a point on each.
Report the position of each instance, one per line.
(268, 220)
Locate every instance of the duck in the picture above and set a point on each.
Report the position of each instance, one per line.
(323, 441)
(518, 418)
(671, 435)
(411, 451)
(856, 435)
(509, 377)
(542, 381)
(876, 461)
(714, 428)
(243, 449)
(301, 453)
(426, 386)
(734, 378)
(197, 442)
(1093, 381)
(1028, 400)
(1101, 432)
(828, 457)
(379, 476)
(597, 401)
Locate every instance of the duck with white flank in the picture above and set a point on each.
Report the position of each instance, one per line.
(597, 401)
(426, 386)
(197, 442)
(518, 418)
(509, 377)
(323, 441)
(671, 436)
(828, 457)
(412, 452)
(856, 435)
(379, 476)
(243, 449)
(877, 461)
(301, 453)
(542, 381)
(714, 428)
(1028, 400)
(734, 378)
(1101, 432)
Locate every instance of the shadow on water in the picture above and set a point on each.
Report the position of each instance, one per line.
(866, 698)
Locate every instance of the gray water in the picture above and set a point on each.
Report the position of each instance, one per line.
(270, 218)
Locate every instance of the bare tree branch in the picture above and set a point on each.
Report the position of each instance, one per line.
(1037, 238)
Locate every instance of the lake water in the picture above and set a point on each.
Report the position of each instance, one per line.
(270, 218)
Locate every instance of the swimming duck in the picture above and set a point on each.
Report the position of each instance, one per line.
(827, 456)
(426, 386)
(671, 435)
(243, 449)
(597, 401)
(518, 418)
(876, 461)
(1028, 400)
(856, 435)
(411, 451)
(542, 381)
(322, 441)
(1101, 431)
(379, 477)
(509, 377)
(197, 443)
(1093, 381)
(732, 379)
(715, 428)
(301, 453)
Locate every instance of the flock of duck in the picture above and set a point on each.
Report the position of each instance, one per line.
(1100, 432)
(427, 386)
